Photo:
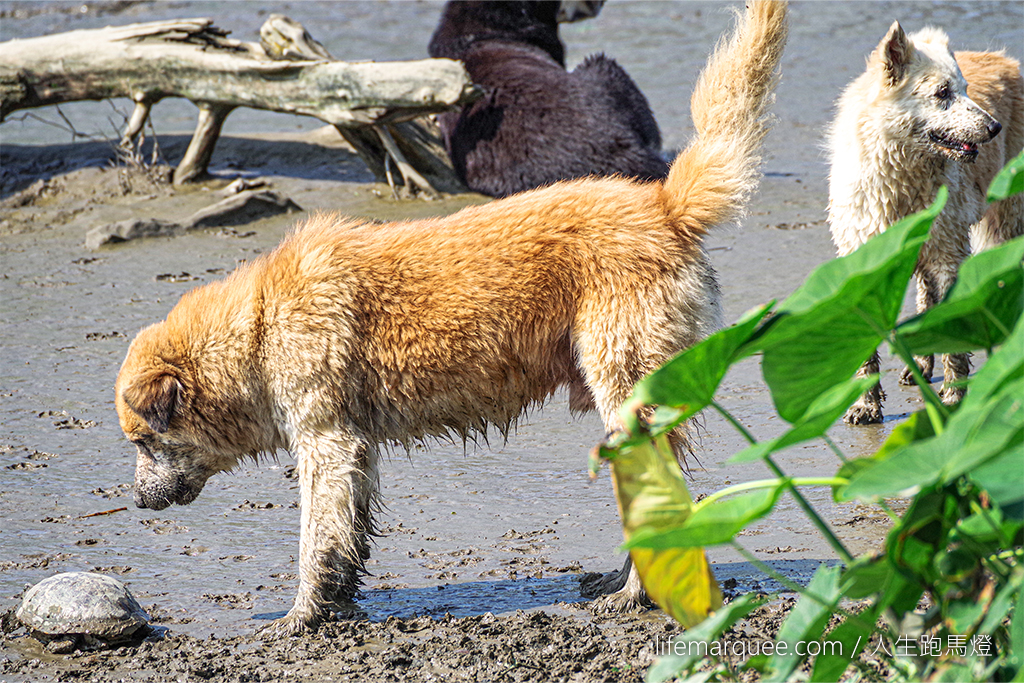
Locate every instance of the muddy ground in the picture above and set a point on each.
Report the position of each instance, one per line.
(477, 574)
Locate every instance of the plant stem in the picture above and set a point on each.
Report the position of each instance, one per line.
(927, 393)
(734, 422)
(768, 483)
(811, 513)
(835, 449)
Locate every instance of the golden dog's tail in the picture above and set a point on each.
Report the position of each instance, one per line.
(710, 181)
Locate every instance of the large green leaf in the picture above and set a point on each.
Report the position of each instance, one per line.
(988, 424)
(687, 383)
(806, 621)
(820, 415)
(1015, 657)
(1003, 367)
(975, 435)
(980, 309)
(1008, 181)
(853, 636)
(918, 543)
(824, 332)
(711, 524)
(917, 427)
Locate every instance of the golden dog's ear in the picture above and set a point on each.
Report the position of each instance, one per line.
(895, 51)
(154, 396)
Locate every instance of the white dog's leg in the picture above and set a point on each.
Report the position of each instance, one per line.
(926, 292)
(868, 408)
(933, 282)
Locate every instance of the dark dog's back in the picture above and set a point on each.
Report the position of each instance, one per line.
(539, 123)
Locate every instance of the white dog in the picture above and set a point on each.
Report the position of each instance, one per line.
(916, 119)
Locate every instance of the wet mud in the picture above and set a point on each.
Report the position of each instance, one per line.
(476, 575)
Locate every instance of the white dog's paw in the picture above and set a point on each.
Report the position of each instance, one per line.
(926, 364)
(863, 414)
(952, 395)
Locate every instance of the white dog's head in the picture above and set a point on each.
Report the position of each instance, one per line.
(920, 80)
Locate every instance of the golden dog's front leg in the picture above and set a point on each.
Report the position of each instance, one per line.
(338, 478)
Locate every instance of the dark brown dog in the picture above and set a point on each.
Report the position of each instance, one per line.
(537, 122)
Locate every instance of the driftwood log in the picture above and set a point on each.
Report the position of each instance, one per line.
(372, 104)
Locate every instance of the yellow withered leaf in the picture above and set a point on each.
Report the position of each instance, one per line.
(652, 496)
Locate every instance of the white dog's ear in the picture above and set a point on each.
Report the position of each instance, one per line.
(154, 397)
(895, 51)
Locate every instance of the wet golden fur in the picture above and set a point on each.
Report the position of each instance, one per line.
(351, 335)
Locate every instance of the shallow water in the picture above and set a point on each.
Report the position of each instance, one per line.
(466, 530)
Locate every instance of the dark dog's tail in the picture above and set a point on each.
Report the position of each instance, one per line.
(710, 181)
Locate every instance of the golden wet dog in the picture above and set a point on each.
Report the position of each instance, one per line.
(350, 336)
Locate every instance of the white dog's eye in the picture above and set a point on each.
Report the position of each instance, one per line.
(943, 93)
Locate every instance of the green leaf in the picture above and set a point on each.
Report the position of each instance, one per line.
(711, 524)
(923, 534)
(688, 382)
(988, 424)
(1002, 478)
(853, 634)
(988, 527)
(1015, 657)
(1008, 181)
(980, 309)
(824, 332)
(917, 427)
(692, 646)
(975, 434)
(956, 564)
(1003, 367)
(806, 621)
(1001, 605)
(866, 576)
(961, 616)
(815, 422)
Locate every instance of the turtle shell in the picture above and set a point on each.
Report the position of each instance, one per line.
(82, 603)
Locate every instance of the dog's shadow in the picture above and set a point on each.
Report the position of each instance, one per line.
(467, 599)
(474, 598)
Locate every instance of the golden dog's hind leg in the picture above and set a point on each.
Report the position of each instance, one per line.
(614, 360)
(338, 477)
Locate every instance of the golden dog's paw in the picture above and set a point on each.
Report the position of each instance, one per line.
(863, 414)
(596, 585)
(292, 624)
(620, 602)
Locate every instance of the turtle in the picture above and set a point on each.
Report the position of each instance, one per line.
(82, 610)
